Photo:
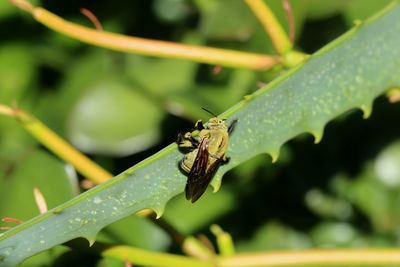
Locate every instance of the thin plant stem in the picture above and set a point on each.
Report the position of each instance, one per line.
(290, 18)
(271, 25)
(118, 42)
(56, 144)
(322, 257)
(139, 256)
(92, 17)
(224, 241)
(11, 220)
(148, 258)
(61, 148)
(359, 257)
(40, 200)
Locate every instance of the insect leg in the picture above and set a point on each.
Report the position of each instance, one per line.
(232, 126)
(199, 125)
(180, 138)
(195, 141)
(185, 141)
(224, 159)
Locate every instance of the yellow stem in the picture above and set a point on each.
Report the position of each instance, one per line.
(224, 241)
(56, 144)
(61, 148)
(278, 36)
(361, 257)
(195, 248)
(5, 110)
(149, 258)
(24, 5)
(318, 257)
(118, 42)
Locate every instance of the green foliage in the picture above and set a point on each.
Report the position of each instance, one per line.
(306, 199)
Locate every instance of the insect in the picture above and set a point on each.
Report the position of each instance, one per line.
(208, 144)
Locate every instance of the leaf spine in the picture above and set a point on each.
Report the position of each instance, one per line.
(367, 110)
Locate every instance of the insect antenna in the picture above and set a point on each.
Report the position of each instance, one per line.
(212, 113)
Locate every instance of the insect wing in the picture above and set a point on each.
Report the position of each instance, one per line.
(195, 183)
(205, 180)
(199, 176)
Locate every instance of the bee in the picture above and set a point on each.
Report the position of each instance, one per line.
(208, 144)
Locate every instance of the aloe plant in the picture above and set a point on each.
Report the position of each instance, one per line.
(348, 73)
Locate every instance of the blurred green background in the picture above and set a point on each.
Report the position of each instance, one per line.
(120, 108)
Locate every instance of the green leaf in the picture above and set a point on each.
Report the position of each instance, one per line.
(173, 75)
(171, 10)
(386, 165)
(52, 179)
(17, 70)
(214, 23)
(188, 218)
(322, 9)
(46, 258)
(348, 73)
(274, 236)
(136, 231)
(79, 77)
(102, 120)
(14, 141)
(362, 9)
(338, 233)
(375, 190)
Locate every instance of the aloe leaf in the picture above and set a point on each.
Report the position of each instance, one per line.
(348, 73)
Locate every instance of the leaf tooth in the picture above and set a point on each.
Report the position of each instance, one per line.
(90, 237)
(274, 153)
(248, 97)
(357, 23)
(317, 133)
(216, 182)
(366, 109)
(159, 210)
(57, 210)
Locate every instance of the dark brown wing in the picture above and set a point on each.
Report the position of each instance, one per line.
(195, 183)
(205, 181)
(199, 177)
